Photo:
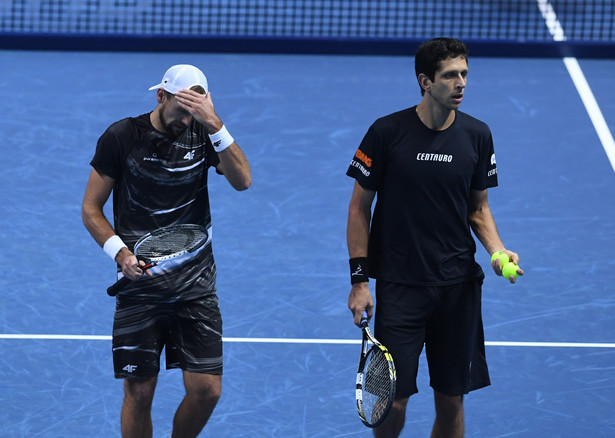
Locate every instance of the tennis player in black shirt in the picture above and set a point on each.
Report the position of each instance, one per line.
(430, 166)
(156, 165)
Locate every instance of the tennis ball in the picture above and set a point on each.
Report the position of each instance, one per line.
(510, 269)
(502, 256)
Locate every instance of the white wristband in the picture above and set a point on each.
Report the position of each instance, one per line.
(113, 245)
(221, 139)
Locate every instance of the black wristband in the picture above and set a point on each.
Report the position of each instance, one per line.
(359, 271)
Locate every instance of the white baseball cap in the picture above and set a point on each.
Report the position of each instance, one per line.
(182, 76)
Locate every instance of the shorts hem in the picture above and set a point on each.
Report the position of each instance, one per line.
(400, 395)
(461, 391)
(133, 377)
(213, 372)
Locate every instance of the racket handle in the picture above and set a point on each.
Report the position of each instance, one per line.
(114, 289)
(363, 322)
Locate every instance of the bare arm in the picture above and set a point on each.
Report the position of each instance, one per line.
(484, 227)
(235, 167)
(97, 193)
(357, 237)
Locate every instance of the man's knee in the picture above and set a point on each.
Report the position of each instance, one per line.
(140, 392)
(394, 422)
(448, 406)
(399, 406)
(205, 387)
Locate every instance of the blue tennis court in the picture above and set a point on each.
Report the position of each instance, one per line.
(280, 246)
(291, 349)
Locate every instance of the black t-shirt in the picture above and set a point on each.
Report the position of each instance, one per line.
(420, 234)
(159, 182)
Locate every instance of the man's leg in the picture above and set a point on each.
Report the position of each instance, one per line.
(136, 410)
(202, 394)
(449, 421)
(394, 422)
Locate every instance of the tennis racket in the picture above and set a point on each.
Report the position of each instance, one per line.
(164, 244)
(375, 379)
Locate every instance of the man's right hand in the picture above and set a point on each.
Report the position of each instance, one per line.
(129, 264)
(360, 300)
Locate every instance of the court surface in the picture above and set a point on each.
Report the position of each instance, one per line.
(280, 246)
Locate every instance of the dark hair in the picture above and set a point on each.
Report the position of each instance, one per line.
(429, 55)
(199, 89)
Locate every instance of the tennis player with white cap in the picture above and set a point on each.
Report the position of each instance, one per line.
(157, 165)
(181, 76)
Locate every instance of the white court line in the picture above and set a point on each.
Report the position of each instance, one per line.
(314, 341)
(575, 72)
(606, 138)
(551, 20)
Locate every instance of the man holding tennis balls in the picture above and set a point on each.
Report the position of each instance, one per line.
(430, 166)
(156, 165)
(505, 266)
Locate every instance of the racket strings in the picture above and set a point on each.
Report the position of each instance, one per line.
(171, 243)
(377, 386)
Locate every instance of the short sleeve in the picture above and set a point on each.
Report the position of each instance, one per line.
(108, 156)
(486, 173)
(368, 163)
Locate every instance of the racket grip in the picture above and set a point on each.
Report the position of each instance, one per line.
(363, 322)
(114, 289)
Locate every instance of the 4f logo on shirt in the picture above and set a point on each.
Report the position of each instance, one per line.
(189, 156)
(130, 368)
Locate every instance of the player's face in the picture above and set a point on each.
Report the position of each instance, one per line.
(174, 120)
(449, 83)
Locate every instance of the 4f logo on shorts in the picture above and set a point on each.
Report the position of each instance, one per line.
(130, 368)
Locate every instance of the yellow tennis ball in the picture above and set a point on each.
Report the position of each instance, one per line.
(502, 256)
(510, 269)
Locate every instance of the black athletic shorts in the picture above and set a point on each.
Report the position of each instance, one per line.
(447, 320)
(191, 331)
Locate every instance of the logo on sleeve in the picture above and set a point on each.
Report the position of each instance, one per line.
(494, 170)
(364, 158)
(361, 162)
